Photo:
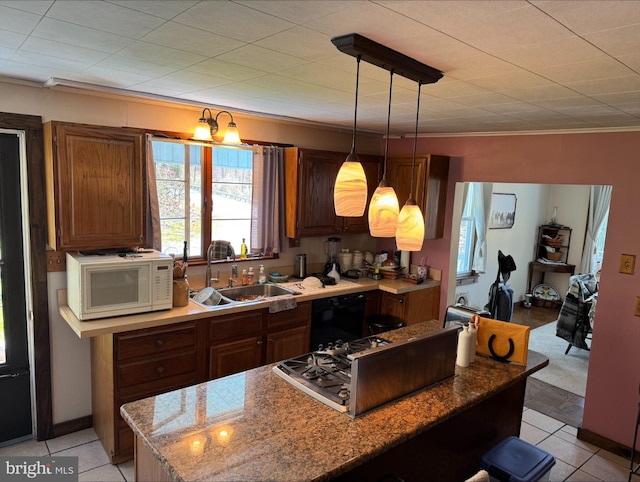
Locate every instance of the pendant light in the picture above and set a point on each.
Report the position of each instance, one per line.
(384, 207)
(350, 190)
(410, 232)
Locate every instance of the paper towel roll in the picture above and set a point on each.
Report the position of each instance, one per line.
(405, 260)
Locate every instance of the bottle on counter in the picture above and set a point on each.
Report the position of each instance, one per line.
(250, 275)
(262, 276)
(244, 277)
(464, 341)
(243, 250)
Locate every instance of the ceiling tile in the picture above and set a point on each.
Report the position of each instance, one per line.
(78, 35)
(261, 59)
(60, 50)
(617, 41)
(160, 55)
(105, 17)
(11, 40)
(166, 9)
(38, 7)
(299, 12)
(300, 42)
(225, 70)
(603, 86)
(587, 16)
(592, 70)
(222, 18)
(183, 38)
(133, 65)
(17, 21)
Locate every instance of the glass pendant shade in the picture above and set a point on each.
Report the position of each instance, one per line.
(383, 211)
(350, 190)
(231, 135)
(202, 131)
(410, 231)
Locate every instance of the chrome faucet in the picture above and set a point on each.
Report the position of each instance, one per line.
(207, 274)
(234, 267)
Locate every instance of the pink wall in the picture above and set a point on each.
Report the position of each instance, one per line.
(607, 158)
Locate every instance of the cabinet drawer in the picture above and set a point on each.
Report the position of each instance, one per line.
(240, 325)
(138, 373)
(155, 341)
(301, 315)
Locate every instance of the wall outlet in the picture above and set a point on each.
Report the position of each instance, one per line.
(56, 261)
(636, 311)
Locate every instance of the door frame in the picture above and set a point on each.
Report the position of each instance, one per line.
(37, 239)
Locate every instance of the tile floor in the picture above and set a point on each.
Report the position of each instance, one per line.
(576, 461)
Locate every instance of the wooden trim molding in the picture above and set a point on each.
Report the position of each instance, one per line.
(32, 126)
(71, 426)
(604, 443)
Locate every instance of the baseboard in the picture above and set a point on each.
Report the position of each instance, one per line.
(604, 443)
(71, 426)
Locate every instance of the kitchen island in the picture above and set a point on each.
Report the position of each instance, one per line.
(255, 426)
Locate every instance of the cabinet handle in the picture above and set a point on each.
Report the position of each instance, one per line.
(401, 300)
(160, 370)
(159, 343)
(270, 340)
(259, 342)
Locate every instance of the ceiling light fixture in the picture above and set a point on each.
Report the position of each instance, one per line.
(350, 189)
(410, 232)
(354, 187)
(384, 207)
(208, 126)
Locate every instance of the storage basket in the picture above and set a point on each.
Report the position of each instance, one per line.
(555, 242)
(554, 255)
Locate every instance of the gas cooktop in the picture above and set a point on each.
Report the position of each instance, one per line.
(325, 374)
(360, 375)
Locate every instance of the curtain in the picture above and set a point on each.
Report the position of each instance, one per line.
(153, 233)
(480, 212)
(599, 201)
(267, 230)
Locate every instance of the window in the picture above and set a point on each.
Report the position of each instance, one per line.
(467, 236)
(204, 193)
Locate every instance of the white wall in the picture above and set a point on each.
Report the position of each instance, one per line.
(534, 207)
(70, 356)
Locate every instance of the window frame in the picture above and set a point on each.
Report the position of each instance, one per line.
(206, 208)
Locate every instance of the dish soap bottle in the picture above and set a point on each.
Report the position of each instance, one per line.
(262, 276)
(243, 250)
(250, 276)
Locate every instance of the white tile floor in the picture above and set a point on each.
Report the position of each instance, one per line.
(576, 461)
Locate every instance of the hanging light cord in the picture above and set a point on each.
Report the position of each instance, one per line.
(353, 156)
(415, 141)
(386, 145)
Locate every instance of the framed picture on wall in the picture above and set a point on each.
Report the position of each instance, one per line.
(503, 211)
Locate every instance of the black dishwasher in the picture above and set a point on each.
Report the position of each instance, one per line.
(337, 318)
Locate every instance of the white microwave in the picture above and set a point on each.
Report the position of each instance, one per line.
(101, 286)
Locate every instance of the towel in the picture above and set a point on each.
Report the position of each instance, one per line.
(281, 303)
(502, 340)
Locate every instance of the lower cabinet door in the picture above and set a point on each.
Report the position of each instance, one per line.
(287, 343)
(235, 356)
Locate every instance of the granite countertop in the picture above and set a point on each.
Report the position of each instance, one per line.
(255, 426)
(193, 311)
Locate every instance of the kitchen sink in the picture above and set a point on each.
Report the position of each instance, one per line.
(240, 294)
(254, 292)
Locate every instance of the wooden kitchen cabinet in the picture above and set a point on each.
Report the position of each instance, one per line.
(412, 307)
(138, 364)
(288, 333)
(430, 180)
(141, 363)
(235, 343)
(95, 178)
(309, 180)
(242, 341)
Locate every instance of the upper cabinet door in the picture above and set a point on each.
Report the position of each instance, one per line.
(429, 187)
(310, 178)
(95, 186)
